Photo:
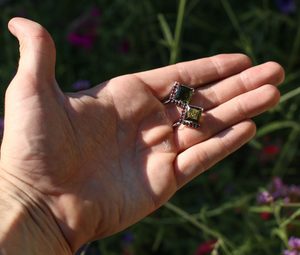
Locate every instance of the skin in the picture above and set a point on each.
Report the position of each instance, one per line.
(82, 166)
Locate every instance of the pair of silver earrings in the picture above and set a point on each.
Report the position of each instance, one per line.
(181, 95)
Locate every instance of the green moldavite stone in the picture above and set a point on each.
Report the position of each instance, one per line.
(184, 94)
(193, 114)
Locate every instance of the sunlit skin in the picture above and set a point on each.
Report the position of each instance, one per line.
(100, 160)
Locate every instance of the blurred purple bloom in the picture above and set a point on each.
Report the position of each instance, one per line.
(294, 246)
(264, 198)
(95, 12)
(84, 41)
(294, 193)
(277, 183)
(294, 243)
(84, 30)
(278, 189)
(127, 238)
(287, 252)
(287, 200)
(286, 6)
(124, 47)
(81, 85)
(294, 190)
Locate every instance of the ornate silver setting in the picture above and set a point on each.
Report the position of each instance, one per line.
(180, 95)
(190, 116)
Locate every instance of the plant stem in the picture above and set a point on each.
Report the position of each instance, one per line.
(245, 41)
(290, 94)
(224, 243)
(287, 154)
(175, 49)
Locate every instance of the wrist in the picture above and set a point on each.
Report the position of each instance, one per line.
(27, 225)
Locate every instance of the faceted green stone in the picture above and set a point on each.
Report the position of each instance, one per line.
(184, 94)
(193, 114)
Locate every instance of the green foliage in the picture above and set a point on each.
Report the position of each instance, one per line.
(138, 35)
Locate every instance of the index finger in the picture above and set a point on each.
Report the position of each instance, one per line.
(194, 73)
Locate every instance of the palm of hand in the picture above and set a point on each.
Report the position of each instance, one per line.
(104, 158)
(111, 150)
(125, 153)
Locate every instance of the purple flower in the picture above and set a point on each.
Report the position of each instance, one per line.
(264, 198)
(294, 243)
(278, 189)
(287, 252)
(286, 6)
(294, 190)
(294, 246)
(128, 238)
(84, 30)
(83, 41)
(81, 85)
(277, 183)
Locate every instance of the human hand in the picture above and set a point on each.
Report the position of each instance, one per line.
(104, 158)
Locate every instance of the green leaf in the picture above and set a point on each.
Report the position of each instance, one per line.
(166, 30)
(260, 209)
(224, 242)
(290, 95)
(281, 233)
(276, 125)
(291, 218)
(178, 32)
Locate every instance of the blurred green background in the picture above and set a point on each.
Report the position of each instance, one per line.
(218, 213)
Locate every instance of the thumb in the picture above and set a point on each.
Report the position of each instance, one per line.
(37, 52)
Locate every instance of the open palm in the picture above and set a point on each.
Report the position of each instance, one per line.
(104, 158)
